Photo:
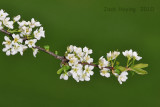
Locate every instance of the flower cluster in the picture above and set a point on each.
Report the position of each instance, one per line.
(5, 21)
(122, 77)
(23, 37)
(76, 56)
(131, 54)
(105, 65)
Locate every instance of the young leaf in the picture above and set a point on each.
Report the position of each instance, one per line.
(66, 68)
(117, 63)
(46, 47)
(56, 52)
(117, 71)
(140, 65)
(139, 71)
(60, 70)
(121, 68)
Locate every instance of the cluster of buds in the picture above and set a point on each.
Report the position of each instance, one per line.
(24, 36)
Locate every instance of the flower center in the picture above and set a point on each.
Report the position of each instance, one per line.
(8, 42)
(103, 72)
(30, 42)
(16, 40)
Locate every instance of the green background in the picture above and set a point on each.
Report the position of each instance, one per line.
(32, 82)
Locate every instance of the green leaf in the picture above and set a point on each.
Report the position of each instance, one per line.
(132, 72)
(122, 68)
(66, 68)
(46, 47)
(60, 70)
(140, 65)
(117, 63)
(117, 71)
(139, 71)
(56, 52)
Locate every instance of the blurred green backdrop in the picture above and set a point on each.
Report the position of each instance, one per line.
(32, 82)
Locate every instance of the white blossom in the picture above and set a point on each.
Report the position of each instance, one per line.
(17, 39)
(123, 77)
(76, 71)
(70, 56)
(73, 61)
(16, 48)
(84, 77)
(89, 70)
(135, 55)
(88, 59)
(22, 48)
(112, 55)
(81, 55)
(77, 49)
(31, 43)
(7, 42)
(17, 18)
(42, 32)
(103, 63)
(35, 51)
(7, 50)
(70, 48)
(26, 30)
(128, 53)
(131, 54)
(87, 51)
(3, 15)
(1, 27)
(23, 23)
(33, 23)
(64, 76)
(8, 23)
(105, 72)
(39, 33)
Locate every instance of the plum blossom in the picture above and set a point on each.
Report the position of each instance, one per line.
(89, 70)
(17, 39)
(8, 23)
(7, 50)
(87, 51)
(33, 23)
(103, 63)
(17, 18)
(35, 51)
(39, 33)
(1, 27)
(123, 77)
(3, 15)
(70, 48)
(31, 43)
(135, 55)
(64, 76)
(131, 54)
(112, 55)
(105, 72)
(128, 53)
(7, 42)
